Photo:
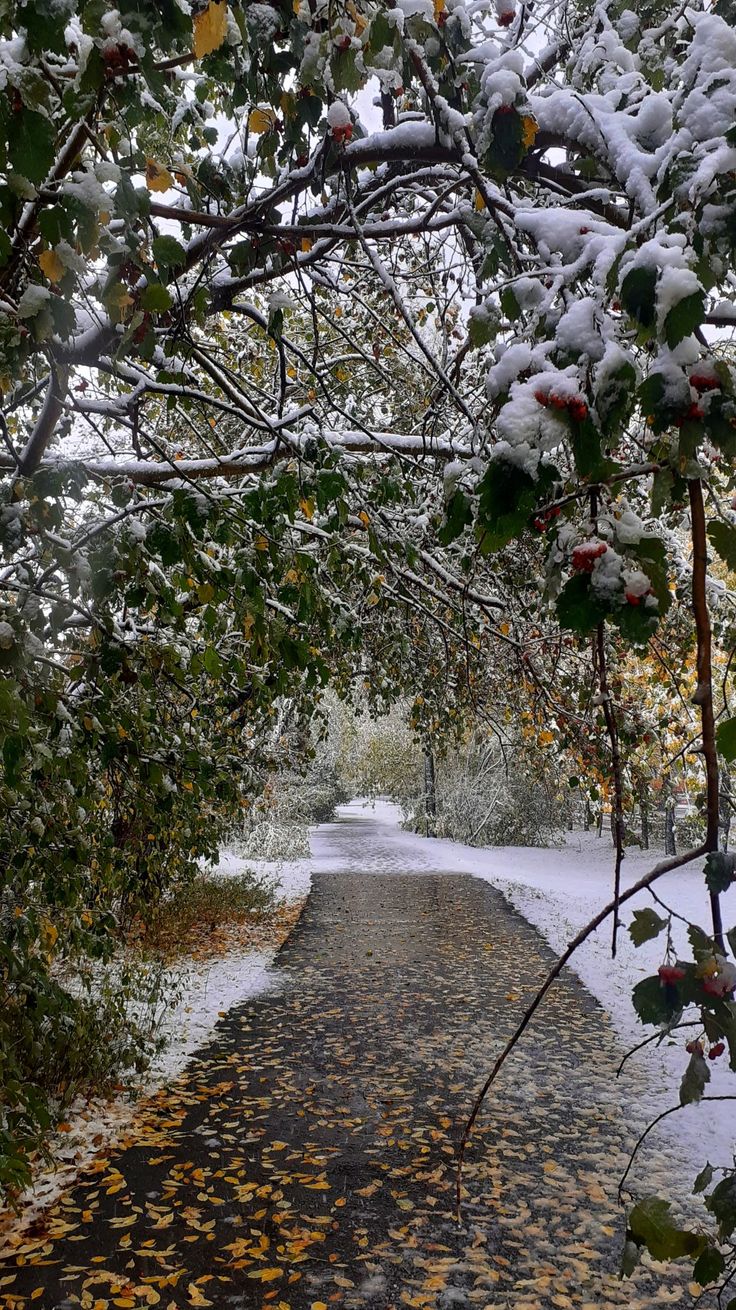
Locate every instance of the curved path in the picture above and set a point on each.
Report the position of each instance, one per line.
(306, 1158)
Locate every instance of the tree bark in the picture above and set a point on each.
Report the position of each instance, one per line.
(669, 827)
(430, 793)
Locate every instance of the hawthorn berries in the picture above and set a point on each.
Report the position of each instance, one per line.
(671, 973)
(585, 556)
(575, 405)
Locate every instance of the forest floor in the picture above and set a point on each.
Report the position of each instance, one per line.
(305, 1159)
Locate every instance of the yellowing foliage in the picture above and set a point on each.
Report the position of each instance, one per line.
(50, 264)
(157, 178)
(261, 120)
(210, 27)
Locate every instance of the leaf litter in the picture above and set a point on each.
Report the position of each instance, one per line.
(306, 1157)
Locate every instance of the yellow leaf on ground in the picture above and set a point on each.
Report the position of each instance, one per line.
(210, 27)
(266, 1275)
(50, 264)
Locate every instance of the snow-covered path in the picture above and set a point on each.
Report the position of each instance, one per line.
(559, 891)
(311, 1145)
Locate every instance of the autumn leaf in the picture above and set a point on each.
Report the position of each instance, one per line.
(157, 178)
(51, 265)
(267, 1275)
(529, 129)
(261, 120)
(210, 28)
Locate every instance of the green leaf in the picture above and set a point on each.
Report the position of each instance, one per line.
(31, 145)
(663, 484)
(694, 1079)
(684, 317)
(638, 294)
(168, 252)
(509, 304)
(720, 867)
(726, 738)
(722, 1205)
(507, 146)
(506, 499)
(578, 608)
(585, 440)
(345, 71)
(650, 1226)
(651, 552)
(723, 539)
(212, 662)
(155, 298)
(629, 1257)
(645, 925)
(654, 1002)
(704, 1179)
(458, 515)
(708, 1266)
(482, 326)
(635, 622)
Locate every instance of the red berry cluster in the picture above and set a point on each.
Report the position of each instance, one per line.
(671, 973)
(692, 414)
(585, 556)
(342, 133)
(697, 1048)
(506, 18)
(542, 522)
(575, 405)
(705, 382)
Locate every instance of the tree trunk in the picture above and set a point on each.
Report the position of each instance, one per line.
(644, 813)
(669, 826)
(587, 817)
(724, 808)
(430, 793)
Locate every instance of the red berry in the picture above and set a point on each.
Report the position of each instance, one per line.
(670, 973)
(541, 397)
(716, 1050)
(694, 1048)
(558, 402)
(577, 409)
(705, 381)
(693, 412)
(540, 524)
(584, 231)
(506, 18)
(585, 556)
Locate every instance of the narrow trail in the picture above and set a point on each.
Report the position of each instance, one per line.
(306, 1158)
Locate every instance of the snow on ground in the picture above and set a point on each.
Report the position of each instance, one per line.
(201, 991)
(559, 890)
